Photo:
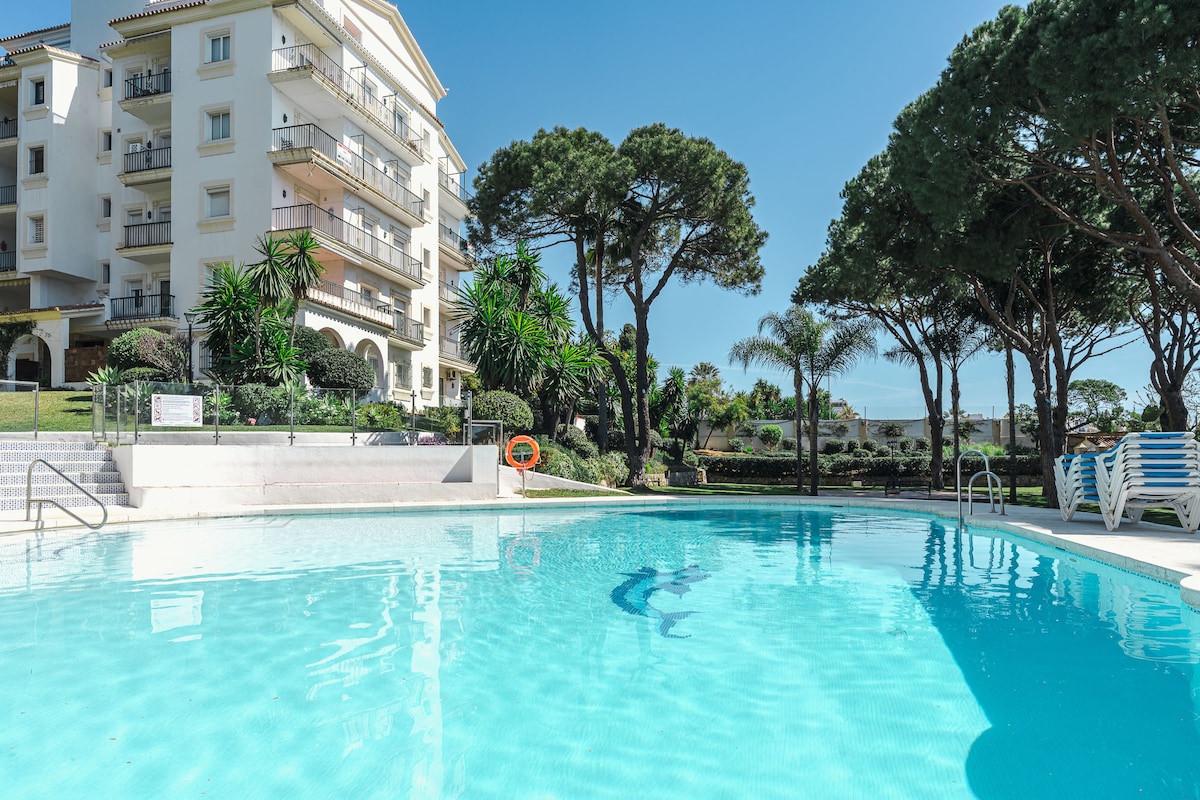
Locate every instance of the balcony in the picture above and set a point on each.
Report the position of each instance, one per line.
(146, 166)
(295, 70)
(141, 307)
(447, 292)
(147, 242)
(8, 129)
(408, 331)
(455, 249)
(351, 242)
(336, 296)
(297, 148)
(148, 97)
(8, 261)
(8, 195)
(452, 188)
(149, 85)
(452, 355)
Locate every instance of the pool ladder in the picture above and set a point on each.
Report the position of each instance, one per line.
(31, 501)
(993, 480)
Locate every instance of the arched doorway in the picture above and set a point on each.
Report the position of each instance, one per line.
(32, 356)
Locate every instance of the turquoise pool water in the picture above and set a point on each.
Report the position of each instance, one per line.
(708, 651)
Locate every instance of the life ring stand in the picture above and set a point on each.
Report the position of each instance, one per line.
(521, 466)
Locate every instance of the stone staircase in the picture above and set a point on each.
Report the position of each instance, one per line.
(89, 464)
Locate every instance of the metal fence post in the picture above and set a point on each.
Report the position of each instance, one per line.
(137, 396)
(291, 416)
(353, 417)
(35, 410)
(216, 413)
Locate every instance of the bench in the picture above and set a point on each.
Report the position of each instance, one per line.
(897, 485)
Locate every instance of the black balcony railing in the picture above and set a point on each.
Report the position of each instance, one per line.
(453, 183)
(311, 137)
(148, 85)
(8, 195)
(349, 88)
(452, 238)
(409, 329)
(8, 261)
(147, 234)
(142, 306)
(8, 128)
(156, 158)
(330, 224)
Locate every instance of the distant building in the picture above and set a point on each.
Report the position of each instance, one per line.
(143, 143)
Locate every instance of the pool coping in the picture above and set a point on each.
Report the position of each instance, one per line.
(1154, 551)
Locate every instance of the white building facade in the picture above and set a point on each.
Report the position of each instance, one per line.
(141, 144)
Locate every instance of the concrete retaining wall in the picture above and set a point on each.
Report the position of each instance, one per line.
(180, 476)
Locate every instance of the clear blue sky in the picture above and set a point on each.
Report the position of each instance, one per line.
(802, 93)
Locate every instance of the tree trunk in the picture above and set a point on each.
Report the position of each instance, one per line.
(798, 386)
(955, 412)
(814, 465)
(1012, 424)
(1174, 409)
(638, 446)
(1046, 443)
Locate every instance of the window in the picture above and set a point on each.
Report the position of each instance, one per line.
(218, 125)
(217, 201)
(37, 92)
(216, 47)
(37, 160)
(105, 141)
(105, 272)
(37, 230)
(106, 79)
(105, 207)
(427, 377)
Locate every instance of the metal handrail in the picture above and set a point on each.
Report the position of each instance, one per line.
(30, 499)
(987, 474)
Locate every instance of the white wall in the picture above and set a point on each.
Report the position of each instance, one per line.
(162, 476)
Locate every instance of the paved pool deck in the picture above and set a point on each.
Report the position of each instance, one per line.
(1156, 551)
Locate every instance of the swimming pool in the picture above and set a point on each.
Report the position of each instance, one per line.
(694, 651)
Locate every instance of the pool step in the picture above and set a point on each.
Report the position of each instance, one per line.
(87, 463)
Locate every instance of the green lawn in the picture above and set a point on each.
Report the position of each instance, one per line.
(57, 411)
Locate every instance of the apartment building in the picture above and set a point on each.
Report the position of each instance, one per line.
(142, 143)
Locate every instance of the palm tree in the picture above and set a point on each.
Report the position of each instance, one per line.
(271, 280)
(306, 272)
(228, 310)
(812, 350)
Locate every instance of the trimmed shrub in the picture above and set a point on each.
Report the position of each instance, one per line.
(611, 467)
(922, 444)
(789, 443)
(310, 342)
(123, 352)
(555, 460)
(853, 445)
(577, 442)
(266, 405)
(142, 374)
(511, 410)
(833, 446)
(870, 445)
(737, 445)
(380, 416)
(770, 435)
(905, 445)
(340, 369)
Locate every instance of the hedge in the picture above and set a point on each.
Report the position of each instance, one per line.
(849, 466)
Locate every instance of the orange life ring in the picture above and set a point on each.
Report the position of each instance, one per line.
(522, 465)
